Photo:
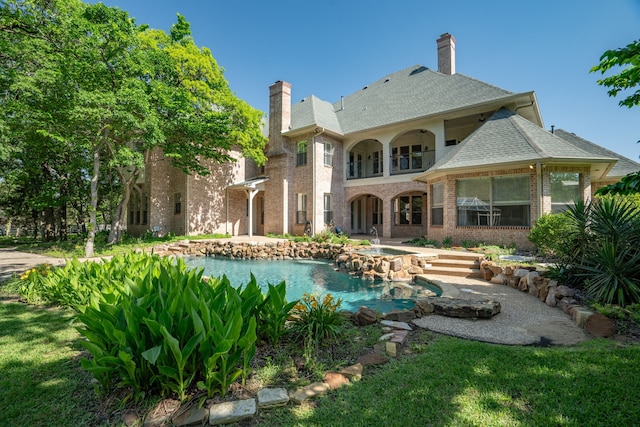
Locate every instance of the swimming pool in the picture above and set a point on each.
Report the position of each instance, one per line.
(315, 276)
(383, 250)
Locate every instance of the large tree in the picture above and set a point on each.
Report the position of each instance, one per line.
(628, 58)
(87, 81)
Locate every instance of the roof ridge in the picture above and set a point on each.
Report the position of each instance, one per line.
(484, 83)
(593, 144)
(522, 131)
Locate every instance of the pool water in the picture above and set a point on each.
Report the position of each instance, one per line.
(314, 277)
(379, 250)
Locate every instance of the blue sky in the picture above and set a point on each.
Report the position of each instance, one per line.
(332, 48)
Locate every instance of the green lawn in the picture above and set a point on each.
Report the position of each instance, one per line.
(41, 382)
(450, 382)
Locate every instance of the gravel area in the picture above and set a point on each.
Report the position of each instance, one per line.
(523, 319)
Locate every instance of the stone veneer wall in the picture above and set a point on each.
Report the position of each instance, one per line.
(255, 250)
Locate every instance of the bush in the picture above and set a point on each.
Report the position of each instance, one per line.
(549, 235)
(317, 320)
(605, 249)
(168, 329)
(152, 324)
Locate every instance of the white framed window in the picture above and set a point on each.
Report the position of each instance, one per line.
(408, 210)
(377, 211)
(328, 210)
(301, 153)
(565, 190)
(496, 201)
(437, 204)
(301, 209)
(328, 154)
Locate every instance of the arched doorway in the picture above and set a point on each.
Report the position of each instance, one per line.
(366, 212)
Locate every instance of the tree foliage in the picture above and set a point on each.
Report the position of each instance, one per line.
(86, 93)
(628, 58)
(628, 78)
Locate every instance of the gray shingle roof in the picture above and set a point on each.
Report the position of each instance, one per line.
(314, 111)
(509, 138)
(623, 166)
(407, 94)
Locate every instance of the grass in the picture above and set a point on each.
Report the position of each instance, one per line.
(74, 245)
(443, 382)
(463, 383)
(41, 381)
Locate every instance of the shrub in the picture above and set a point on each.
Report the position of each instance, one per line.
(317, 320)
(167, 330)
(152, 324)
(549, 235)
(605, 250)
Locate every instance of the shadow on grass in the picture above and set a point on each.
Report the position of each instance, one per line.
(456, 382)
(41, 381)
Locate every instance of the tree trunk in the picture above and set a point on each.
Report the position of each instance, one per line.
(119, 216)
(93, 223)
(49, 224)
(62, 221)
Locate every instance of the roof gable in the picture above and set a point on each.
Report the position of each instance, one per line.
(509, 138)
(312, 111)
(408, 94)
(623, 166)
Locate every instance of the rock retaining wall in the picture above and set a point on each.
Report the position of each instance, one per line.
(396, 268)
(527, 279)
(254, 250)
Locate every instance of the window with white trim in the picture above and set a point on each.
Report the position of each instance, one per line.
(301, 209)
(377, 211)
(408, 210)
(437, 204)
(565, 190)
(301, 156)
(496, 201)
(328, 210)
(328, 154)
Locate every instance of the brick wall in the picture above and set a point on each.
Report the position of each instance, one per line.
(387, 192)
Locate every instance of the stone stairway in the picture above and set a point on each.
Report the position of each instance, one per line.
(460, 265)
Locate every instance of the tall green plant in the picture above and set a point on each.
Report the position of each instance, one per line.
(610, 264)
(168, 330)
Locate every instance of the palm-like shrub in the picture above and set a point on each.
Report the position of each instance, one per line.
(605, 249)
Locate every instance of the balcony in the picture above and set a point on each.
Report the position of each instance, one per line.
(417, 161)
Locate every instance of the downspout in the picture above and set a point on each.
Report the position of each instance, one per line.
(539, 185)
(226, 222)
(186, 208)
(319, 131)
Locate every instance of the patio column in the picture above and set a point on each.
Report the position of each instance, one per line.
(250, 194)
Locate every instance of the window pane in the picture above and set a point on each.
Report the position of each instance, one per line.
(437, 194)
(405, 210)
(471, 190)
(437, 216)
(565, 187)
(516, 215)
(511, 189)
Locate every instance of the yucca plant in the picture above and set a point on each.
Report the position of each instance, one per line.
(607, 251)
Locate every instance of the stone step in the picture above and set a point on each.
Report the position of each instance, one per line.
(454, 271)
(466, 256)
(457, 263)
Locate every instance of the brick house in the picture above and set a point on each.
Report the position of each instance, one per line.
(418, 152)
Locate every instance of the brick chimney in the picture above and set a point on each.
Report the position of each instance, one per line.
(279, 114)
(446, 54)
